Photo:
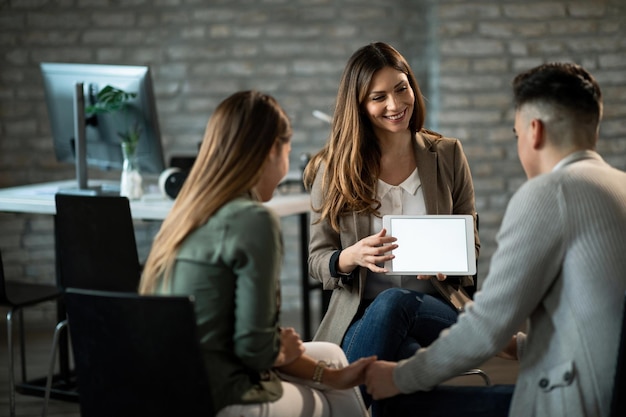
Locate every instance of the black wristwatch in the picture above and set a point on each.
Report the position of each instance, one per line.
(334, 271)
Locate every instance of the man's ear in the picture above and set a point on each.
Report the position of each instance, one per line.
(537, 134)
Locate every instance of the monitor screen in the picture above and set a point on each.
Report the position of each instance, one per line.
(103, 145)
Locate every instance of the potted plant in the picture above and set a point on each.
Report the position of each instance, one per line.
(117, 102)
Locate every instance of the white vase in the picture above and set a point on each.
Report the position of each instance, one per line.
(131, 182)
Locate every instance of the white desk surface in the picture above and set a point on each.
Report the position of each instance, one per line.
(39, 199)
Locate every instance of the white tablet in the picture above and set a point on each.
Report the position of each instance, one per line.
(431, 244)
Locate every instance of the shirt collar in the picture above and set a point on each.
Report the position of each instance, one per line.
(410, 185)
(575, 157)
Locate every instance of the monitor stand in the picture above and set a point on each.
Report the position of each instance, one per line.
(80, 148)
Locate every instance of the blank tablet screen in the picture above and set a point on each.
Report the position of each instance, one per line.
(431, 244)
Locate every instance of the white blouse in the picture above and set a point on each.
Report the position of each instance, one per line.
(406, 198)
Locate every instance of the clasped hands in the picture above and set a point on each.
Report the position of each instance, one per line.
(292, 360)
(377, 375)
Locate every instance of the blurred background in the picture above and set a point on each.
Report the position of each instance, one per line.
(464, 53)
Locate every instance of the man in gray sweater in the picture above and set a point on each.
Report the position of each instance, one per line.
(560, 265)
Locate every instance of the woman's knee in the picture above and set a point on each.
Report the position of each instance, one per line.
(328, 352)
(394, 300)
(399, 294)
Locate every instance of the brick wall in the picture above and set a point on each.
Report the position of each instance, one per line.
(483, 44)
(465, 54)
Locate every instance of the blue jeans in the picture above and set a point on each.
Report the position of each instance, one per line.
(395, 325)
(451, 401)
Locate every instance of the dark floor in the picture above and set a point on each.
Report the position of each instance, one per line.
(39, 341)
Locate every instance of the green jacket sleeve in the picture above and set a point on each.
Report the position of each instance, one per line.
(252, 247)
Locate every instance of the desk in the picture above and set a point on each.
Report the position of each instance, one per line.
(39, 199)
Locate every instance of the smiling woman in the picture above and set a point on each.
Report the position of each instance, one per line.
(380, 160)
(390, 103)
(389, 106)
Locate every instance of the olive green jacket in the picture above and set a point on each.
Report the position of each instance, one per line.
(231, 266)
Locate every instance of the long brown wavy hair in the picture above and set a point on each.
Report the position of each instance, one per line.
(351, 156)
(237, 141)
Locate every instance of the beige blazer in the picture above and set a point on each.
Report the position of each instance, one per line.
(448, 189)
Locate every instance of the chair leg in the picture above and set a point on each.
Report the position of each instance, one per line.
(22, 346)
(53, 353)
(11, 363)
(480, 373)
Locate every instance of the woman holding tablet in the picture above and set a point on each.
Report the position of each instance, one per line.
(380, 160)
(220, 244)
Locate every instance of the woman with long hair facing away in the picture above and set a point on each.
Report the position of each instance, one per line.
(220, 244)
(380, 160)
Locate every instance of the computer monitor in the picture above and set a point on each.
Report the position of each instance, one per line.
(69, 88)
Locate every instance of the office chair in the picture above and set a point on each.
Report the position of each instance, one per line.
(136, 355)
(17, 296)
(95, 249)
(95, 243)
(618, 403)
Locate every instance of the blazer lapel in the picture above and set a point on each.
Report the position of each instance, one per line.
(362, 226)
(426, 161)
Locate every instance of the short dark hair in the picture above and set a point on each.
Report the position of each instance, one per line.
(564, 84)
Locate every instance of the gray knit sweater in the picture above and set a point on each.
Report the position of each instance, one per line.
(561, 265)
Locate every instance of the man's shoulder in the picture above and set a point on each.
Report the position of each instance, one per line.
(586, 173)
(588, 178)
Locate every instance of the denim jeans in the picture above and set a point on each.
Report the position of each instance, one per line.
(395, 325)
(451, 401)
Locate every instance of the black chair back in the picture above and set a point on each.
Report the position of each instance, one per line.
(618, 404)
(136, 355)
(95, 243)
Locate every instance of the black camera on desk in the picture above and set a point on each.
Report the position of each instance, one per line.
(172, 179)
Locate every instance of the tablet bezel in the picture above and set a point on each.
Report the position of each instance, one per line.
(470, 251)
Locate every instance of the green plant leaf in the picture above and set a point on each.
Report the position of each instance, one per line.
(110, 99)
(113, 100)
